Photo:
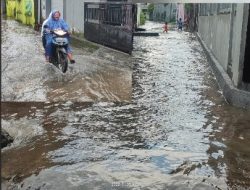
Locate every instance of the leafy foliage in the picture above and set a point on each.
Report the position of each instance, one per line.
(188, 6)
(142, 18)
(151, 8)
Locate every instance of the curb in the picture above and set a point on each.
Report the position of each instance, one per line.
(95, 44)
(233, 95)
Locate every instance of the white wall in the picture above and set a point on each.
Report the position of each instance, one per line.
(75, 13)
(139, 10)
(239, 39)
(215, 31)
(57, 5)
(236, 43)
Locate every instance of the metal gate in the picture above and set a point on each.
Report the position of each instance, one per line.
(110, 24)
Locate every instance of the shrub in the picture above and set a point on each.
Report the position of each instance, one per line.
(142, 18)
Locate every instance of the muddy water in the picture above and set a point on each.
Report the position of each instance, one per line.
(175, 132)
(26, 76)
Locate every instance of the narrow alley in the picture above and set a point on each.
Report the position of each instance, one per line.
(153, 120)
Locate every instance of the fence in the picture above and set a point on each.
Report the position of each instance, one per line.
(110, 24)
(214, 8)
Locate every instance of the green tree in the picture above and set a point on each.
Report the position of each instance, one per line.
(188, 6)
(151, 8)
(142, 18)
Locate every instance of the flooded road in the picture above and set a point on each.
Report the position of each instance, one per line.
(26, 76)
(162, 124)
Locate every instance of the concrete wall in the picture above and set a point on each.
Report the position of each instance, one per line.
(74, 13)
(223, 36)
(139, 10)
(164, 12)
(236, 44)
(239, 42)
(57, 5)
(215, 31)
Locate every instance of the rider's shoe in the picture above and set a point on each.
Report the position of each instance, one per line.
(72, 61)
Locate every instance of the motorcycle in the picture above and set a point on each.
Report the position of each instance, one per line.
(59, 42)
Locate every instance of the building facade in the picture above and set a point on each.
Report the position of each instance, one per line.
(72, 12)
(224, 32)
(141, 8)
(165, 12)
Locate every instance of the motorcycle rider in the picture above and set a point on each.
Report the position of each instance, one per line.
(43, 33)
(52, 23)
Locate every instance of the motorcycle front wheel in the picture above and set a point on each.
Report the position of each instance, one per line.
(63, 61)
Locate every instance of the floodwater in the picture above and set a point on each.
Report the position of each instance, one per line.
(26, 77)
(155, 120)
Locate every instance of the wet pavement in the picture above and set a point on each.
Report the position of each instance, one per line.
(155, 120)
(26, 77)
